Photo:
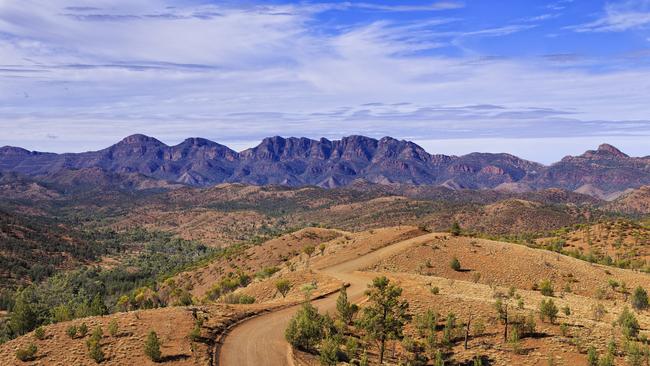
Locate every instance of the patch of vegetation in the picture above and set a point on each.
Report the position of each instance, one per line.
(94, 291)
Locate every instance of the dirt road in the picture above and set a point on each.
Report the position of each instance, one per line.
(260, 341)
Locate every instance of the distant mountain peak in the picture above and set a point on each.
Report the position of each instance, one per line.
(612, 150)
(139, 139)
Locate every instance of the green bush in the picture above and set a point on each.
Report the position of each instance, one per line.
(640, 299)
(305, 329)
(83, 330)
(455, 264)
(113, 328)
(71, 331)
(628, 323)
(548, 310)
(592, 356)
(95, 349)
(28, 353)
(455, 229)
(152, 347)
(546, 288)
(329, 352)
(39, 333)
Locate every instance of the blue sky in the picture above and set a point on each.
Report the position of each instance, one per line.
(540, 79)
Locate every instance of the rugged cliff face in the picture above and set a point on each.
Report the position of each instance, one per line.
(138, 159)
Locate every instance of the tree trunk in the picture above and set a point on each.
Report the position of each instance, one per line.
(469, 321)
(505, 330)
(381, 350)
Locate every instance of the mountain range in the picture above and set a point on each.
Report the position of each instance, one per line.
(140, 162)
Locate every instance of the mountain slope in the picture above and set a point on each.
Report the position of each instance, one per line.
(604, 173)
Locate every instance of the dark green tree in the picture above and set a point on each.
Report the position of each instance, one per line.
(23, 317)
(345, 309)
(640, 299)
(455, 229)
(305, 330)
(384, 317)
(152, 347)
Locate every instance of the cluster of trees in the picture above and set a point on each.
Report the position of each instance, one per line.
(135, 283)
(381, 322)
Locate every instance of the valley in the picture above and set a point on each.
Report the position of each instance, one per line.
(218, 271)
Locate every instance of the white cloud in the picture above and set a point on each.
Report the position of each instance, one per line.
(241, 73)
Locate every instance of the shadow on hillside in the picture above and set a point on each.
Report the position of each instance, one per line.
(538, 335)
(175, 358)
(485, 361)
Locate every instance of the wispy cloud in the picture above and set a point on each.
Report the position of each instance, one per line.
(619, 16)
(237, 73)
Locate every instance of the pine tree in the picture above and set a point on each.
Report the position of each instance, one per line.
(384, 318)
(152, 347)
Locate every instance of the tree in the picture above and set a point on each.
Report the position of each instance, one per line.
(305, 329)
(455, 229)
(345, 309)
(502, 313)
(309, 250)
(329, 352)
(283, 287)
(97, 306)
(152, 347)
(23, 317)
(95, 350)
(548, 310)
(113, 328)
(384, 317)
(322, 248)
(629, 324)
(123, 303)
(640, 299)
(455, 264)
(94, 346)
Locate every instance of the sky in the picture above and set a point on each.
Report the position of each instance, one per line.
(539, 79)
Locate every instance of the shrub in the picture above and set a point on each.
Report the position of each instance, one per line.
(455, 264)
(113, 328)
(195, 334)
(95, 350)
(592, 356)
(640, 299)
(152, 347)
(566, 310)
(546, 288)
(634, 354)
(28, 353)
(548, 310)
(39, 333)
(71, 331)
(629, 324)
(435, 290)
(83, 330)
(455, 229)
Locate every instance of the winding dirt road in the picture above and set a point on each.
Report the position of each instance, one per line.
(260, 341)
